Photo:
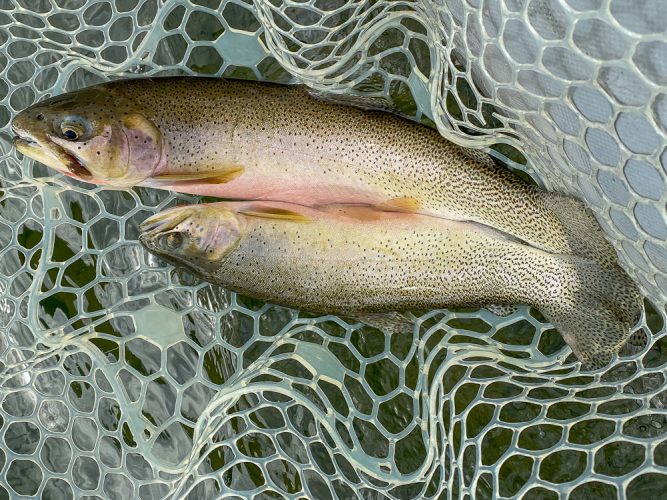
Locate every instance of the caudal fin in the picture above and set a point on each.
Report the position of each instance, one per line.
(584, 235)
(595, 310)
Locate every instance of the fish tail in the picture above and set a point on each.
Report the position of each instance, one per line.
(595, 309)
(585, 238)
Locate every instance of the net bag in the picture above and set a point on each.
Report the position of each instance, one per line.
(121, 377)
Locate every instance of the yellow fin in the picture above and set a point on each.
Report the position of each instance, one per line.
(203, 177)
(267, 212)
(404, 204)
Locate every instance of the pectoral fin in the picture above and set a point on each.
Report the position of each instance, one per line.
(392, 323)
(201, 177)
(268, 212)
(403, 204)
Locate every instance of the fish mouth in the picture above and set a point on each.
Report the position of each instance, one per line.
(22, 142)
(54, 156)
(75, 166)
(164, 221)
(25, 145)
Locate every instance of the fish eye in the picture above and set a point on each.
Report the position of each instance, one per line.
(70, 134)
(72, 129)
(174, 240)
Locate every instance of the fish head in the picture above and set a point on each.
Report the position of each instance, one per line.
(197, 237)
(94, 134)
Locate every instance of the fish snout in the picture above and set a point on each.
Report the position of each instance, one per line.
(26, 123)
(164, 221)
(161, 232)
(21, 142)
(21, 137)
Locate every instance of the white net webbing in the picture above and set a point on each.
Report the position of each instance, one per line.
(121, 377)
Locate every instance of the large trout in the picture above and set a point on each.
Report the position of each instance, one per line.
(361, 262)
(246, 140)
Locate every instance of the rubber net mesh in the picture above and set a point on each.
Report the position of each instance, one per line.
(122, 377)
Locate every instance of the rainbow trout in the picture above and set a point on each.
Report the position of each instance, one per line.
(247, 140)
(360, 262)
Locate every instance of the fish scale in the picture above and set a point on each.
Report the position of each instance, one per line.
(249, 140)
(356, 261)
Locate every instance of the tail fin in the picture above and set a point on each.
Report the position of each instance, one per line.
(596, 313)
(584, 234)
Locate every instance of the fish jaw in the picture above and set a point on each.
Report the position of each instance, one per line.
(54, 157)
(32, 149)
(31, 143)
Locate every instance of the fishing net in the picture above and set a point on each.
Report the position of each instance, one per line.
(121, 377)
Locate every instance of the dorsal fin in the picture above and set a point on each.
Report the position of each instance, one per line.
(365, 102)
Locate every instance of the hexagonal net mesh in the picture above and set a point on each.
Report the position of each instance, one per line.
(122, 377)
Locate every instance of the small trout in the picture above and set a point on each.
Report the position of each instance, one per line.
(257, 141)
(360, 262)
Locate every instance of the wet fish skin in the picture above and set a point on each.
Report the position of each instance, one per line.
(355, 261)
(115, 143)
(247, 140)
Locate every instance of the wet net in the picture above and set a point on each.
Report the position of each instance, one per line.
(121, 377)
